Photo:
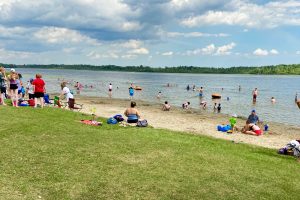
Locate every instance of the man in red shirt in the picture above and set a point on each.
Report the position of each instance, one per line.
(39, 90)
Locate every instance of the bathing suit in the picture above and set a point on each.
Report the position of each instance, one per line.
(132, 118)
(258, 132)
(131, 91)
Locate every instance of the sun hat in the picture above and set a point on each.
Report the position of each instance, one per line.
(234, 115)
(253, 110)
(12, 70)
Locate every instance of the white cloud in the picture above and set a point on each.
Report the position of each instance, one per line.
(212, 49)
(260, 52)
(114, 15)
(225, 50)
(54, 35)
(169, 53)
(274, 52)
(244, 13)
(6, 55)
(264, 52)
(191, 34)
(96, 55)
(141, 51)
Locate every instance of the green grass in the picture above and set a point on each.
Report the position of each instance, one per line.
(48, 154)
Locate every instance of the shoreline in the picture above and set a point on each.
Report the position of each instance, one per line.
(194, 121)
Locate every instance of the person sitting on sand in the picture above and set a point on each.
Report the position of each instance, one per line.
(253, 118)
(65, 91)
(186, 105)
(132, 113)
(166, 106)
(252, 129)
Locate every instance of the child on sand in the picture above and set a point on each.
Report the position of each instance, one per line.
(166, 106)
(186, 105)
(232, 121)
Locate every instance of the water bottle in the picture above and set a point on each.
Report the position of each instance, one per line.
(266, 127)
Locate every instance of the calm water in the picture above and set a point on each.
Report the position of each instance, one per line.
(283, 88)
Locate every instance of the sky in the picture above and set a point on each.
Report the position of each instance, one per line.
(157, 33)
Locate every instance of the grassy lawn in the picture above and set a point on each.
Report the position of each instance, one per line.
(48, 154)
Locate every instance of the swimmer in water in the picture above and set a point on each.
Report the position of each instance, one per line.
(159, 95)
(201, 90)
(273, 100)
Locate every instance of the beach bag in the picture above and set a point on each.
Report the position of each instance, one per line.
(119, 118)
(31, 102)
(142, 123)
(112, 120)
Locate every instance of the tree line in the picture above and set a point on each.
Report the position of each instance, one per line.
(292, 69)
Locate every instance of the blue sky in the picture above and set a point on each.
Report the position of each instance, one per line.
(217, 33)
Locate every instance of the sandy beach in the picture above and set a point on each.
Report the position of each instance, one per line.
(193, 121)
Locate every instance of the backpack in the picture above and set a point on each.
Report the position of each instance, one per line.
(142, 123)
(119, 118)
(112, 120)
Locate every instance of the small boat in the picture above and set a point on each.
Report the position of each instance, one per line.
(216, 96)
(138, 88)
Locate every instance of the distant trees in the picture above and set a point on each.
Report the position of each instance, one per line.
(277, 69)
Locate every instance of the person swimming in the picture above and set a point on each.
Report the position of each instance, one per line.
(273, 100)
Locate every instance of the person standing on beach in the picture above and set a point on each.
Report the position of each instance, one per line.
(131, 91)
(39, 90)
(2, 85)
(240, 88)
(13, 87)
(254, 94)
(110, 90)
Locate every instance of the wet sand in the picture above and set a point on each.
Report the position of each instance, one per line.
(195, 121)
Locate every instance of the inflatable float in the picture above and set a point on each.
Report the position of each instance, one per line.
(138, 88)
(216, 96)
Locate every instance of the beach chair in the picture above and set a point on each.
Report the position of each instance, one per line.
(74, 106)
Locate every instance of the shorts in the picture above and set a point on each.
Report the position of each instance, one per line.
(3, 90)
(132, 120)
(131, 94)
(109, 90)
(254, 96)
(258, 132)
(31, 96)
(200, 95)
(38, 94)
(13, 86)
(19, 91)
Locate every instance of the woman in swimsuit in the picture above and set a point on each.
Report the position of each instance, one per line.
(132, 113)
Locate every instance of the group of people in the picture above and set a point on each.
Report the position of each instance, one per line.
(12, 87)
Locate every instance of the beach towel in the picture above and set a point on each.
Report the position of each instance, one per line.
(91, 122)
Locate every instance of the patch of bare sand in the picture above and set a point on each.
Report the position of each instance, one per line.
(192, 121)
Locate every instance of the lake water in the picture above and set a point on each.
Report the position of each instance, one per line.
(283, 88)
